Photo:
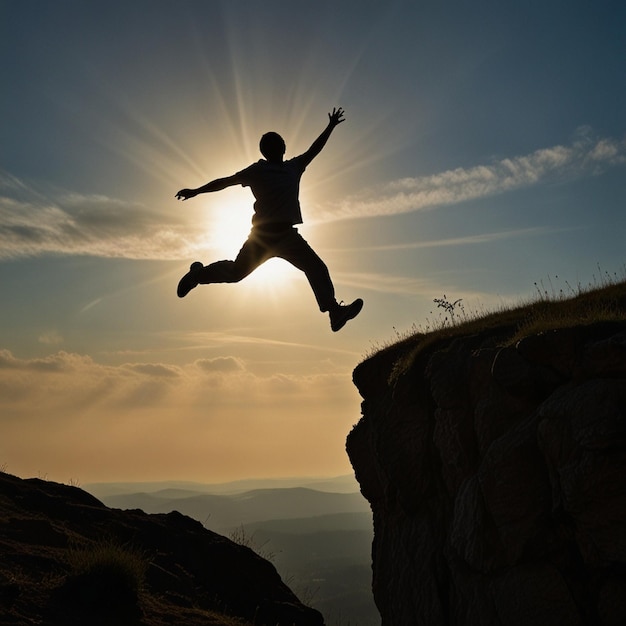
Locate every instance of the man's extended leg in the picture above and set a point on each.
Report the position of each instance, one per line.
(253, 252)
(293, 248)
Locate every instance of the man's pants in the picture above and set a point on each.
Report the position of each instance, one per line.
(263, 244)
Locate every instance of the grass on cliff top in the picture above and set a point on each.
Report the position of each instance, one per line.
(603, 300)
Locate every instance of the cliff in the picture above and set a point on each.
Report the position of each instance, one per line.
(497, 477)
(67, 559)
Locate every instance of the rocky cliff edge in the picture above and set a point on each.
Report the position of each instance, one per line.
(497, 478)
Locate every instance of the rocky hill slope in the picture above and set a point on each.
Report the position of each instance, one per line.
(66, 559)
(497, 477)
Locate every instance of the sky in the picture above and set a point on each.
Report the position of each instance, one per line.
(483, 153)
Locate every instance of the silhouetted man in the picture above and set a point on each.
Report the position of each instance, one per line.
(275, 184)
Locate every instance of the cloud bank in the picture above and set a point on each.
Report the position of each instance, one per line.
(208, 417)
(70, 380)
(34, 222)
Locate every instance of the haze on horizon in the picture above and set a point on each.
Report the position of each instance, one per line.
(483, 151)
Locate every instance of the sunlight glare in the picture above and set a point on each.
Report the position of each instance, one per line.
(227, 228)
(229, 220)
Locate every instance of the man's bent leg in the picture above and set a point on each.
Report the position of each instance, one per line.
(251, 255)
(190, 280)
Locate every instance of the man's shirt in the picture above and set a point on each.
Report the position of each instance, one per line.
(276, 187)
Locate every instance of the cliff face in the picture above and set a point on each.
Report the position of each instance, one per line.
(497, 479)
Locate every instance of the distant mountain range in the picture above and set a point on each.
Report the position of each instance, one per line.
(222, 513)
(338, 484)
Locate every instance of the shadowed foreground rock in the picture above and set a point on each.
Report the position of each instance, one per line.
(192, 575)
(497, 479)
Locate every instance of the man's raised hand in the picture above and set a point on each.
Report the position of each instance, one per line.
(336, 117)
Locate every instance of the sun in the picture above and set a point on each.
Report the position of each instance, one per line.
(227, 228)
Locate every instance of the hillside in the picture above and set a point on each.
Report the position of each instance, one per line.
(319, 541)
(67, 559)
(493, 454)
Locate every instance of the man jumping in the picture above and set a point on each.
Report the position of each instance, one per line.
(275, 184)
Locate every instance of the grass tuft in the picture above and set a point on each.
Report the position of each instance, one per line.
(107, 558)
(240, 536)
(105, 577)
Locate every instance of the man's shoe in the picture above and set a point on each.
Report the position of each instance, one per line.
(190, 280)
(343, 313)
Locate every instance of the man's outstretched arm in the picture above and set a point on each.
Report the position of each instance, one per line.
(215, 185)
(334, 119)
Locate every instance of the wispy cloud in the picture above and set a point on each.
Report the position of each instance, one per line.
(210, 340)
(584, 157)
(386, 283)
(468, 240)
(35, 222)
(413, 287)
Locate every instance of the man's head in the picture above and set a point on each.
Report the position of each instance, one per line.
(272, 146)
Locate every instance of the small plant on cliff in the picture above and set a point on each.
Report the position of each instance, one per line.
(455, 314)
(451, 308)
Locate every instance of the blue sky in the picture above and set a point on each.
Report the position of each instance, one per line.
(484, 150)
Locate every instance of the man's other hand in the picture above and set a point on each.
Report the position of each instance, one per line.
(185, 194)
